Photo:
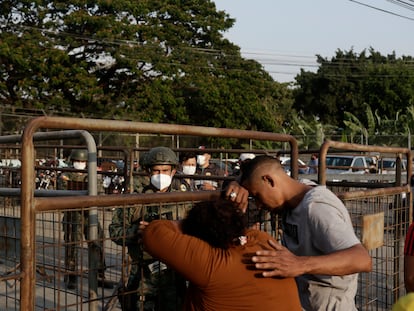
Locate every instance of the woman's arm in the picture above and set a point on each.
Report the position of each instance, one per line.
(189, 256)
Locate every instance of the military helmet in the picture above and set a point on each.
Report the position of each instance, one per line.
(143, 159)
(79, 155)
(160, 156)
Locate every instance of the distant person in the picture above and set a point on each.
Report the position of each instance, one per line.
(313, 164)
(320, 248)
(76, 223)
(373, 165)
(187, 166)
(210, 248)
(206, 168)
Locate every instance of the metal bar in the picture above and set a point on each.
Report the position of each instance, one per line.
(15, 192)
(357, 147)
(29, 204)
(373, 193)
(28, 218)
(28, 214)
(62, 203)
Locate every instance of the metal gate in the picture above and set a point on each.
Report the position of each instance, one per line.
(32, 269)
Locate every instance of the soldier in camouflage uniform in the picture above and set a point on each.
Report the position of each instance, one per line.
(75, 223)
(157, 287)
(207, 168)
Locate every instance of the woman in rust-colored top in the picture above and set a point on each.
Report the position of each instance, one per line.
(213, 255)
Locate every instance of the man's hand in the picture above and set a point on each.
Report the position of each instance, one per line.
(280, 261)
(140, 229)
(142, 225)
(237, 194)
(207, 186)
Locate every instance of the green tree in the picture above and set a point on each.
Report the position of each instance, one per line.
(379, 130)
(346, 81)
(156, 61)
(310, 132)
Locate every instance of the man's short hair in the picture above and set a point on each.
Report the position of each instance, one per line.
(202, 150)
(249, 167)
(187, 155)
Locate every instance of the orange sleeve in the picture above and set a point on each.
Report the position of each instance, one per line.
(189, 256)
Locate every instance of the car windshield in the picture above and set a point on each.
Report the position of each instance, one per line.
(392, 163)
(338, 161)
(388, 163)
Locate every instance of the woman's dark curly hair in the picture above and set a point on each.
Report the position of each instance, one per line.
(219, 223)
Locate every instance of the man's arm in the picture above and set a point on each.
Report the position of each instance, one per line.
(123, 229)
(282, 263)
(241, 197)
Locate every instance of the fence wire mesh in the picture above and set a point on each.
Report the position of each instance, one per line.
(377, 290)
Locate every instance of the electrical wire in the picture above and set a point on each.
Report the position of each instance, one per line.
(266, 59)
(382, 10)
(402, 4)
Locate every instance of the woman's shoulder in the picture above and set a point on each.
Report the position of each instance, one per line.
(257, 236)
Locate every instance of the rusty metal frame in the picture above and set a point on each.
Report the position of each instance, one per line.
(367, 148)
(399, 187)
(363, 148)
(92, 189)
(30, 205)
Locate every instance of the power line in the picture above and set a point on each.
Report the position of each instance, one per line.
(402, 4)
(382, 10)
(266, 59)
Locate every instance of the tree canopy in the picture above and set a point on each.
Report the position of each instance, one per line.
(348, 81)
(157, 61)
(168, 61)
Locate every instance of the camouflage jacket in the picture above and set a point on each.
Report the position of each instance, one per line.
(72, 181)
(124, 226)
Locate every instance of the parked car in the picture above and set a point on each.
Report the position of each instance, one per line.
(386, 165)
(347, 164)
(303, 168)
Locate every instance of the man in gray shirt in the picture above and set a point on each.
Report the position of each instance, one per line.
(320, 248)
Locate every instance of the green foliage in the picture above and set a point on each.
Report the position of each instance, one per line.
(167, 61)
(380, 130)
(348, 80)
(156, 61)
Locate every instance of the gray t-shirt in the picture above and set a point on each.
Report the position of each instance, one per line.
(320, 225)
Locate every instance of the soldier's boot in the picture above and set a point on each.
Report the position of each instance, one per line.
(71, 281)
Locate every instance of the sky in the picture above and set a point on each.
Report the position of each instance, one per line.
(285, 36)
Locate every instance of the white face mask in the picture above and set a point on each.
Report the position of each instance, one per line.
(201, 160)
(161, 181)
(189, 170)
(79, 165)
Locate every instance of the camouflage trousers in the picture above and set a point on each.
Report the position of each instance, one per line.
(75, 227)
(153, 287)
